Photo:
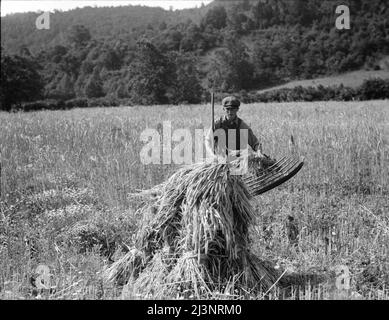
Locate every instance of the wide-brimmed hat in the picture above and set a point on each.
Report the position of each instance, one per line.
(230, 102)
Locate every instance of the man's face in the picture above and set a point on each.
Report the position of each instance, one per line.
(231, 113)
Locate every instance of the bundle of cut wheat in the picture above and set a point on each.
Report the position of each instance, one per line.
(196, 237)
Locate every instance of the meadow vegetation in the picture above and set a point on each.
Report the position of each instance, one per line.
(66, 177)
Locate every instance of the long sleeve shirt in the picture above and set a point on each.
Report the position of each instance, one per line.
(229, 137)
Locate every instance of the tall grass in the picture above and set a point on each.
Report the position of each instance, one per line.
(65, 177)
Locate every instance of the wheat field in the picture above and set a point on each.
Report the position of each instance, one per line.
(66, 177)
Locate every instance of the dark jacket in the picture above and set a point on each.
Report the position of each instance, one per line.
(235, 135)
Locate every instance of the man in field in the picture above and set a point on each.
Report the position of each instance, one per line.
(231, 134)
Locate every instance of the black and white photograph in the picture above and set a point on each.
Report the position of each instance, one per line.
(201, 151)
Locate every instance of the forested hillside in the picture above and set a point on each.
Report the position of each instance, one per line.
(143, 55)
(125, 23)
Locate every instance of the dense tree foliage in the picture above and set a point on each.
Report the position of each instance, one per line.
(147, 55)
(215, 18)
(231, 70)
(78, 35)
(150, 76)
(20, 81)
(185, 82)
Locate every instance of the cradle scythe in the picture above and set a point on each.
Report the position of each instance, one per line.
(272, 177)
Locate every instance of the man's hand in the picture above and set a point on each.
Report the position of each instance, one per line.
(260, 155)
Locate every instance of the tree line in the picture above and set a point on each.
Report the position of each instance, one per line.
(370, 89)
(232, 46)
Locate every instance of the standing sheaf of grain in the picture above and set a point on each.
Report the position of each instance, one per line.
(197, 236)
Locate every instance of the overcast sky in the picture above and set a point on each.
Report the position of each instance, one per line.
(12, 6)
